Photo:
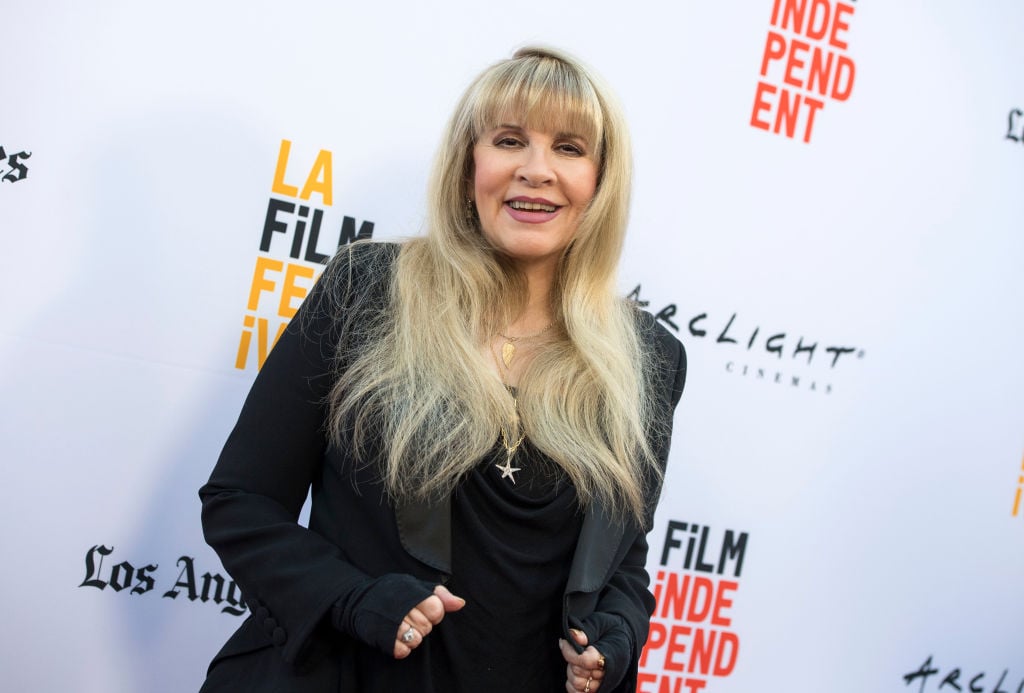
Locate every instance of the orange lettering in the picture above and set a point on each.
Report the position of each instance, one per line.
(290, 290)
(676, 647)
(760, 104)
(839, 25)
(279, 186)
(259, 281)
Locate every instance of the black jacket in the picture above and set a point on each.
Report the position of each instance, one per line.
(308, 587)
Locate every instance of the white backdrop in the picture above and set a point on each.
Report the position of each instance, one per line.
(874, 504)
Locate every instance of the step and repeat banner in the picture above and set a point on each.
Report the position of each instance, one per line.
(828, 212)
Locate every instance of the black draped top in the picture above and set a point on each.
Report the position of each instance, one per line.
(513, 537)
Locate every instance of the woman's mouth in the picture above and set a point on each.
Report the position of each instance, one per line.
(524, 206)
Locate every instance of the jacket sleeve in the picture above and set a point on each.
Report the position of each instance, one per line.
(619, 625)
(290, 576)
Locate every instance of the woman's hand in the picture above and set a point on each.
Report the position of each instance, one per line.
(422, 618)
(584, 671)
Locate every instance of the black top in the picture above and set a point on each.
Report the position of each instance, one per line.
(512, 546)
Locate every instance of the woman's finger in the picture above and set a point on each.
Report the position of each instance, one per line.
(418, 620)
(582, 684)
(406, 640)
(584, 672)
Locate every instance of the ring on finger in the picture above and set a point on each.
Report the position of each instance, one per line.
(409, 635)
(600, 662)
(586, 689)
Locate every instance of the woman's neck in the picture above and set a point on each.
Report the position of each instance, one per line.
(536, 314)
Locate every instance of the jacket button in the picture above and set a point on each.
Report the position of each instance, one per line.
(278, 637)
(270, 625)
(261, 613)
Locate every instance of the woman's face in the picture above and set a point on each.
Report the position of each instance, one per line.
(530, 188)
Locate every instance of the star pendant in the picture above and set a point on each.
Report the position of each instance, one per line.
(507, 470)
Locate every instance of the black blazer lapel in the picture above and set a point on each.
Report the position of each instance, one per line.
(425, 530)
(600, 538)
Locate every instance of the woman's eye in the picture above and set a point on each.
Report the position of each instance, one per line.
(571, 149)
(508, 142)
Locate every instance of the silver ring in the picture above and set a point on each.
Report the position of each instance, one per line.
(409, 635)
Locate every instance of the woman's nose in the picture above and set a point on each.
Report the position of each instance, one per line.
(536, 168)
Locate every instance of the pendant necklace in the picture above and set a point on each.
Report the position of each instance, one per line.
(507, 470)
(508, 349)
(507, 352)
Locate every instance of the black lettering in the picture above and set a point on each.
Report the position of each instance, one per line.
(979, 688)
(951, 679)
(722, 337)
(186, 579)
(271, 224)
(348, 231)
(314, 237)
(771, 347)
(93, 569)
(838, 351)
(750, 344)
(235, 601)
(701, 565)
(665, 315)
(216, 580)
(1011, 128)
(693, 330)
(16, 166)
(144, 581)
(809, 349)
(1000, 682)
(733, 549)
(118, 583)
(670, 541)
(300, 232)
(688, 561)
(923, 673)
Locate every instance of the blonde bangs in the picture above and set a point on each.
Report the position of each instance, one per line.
(540, 93)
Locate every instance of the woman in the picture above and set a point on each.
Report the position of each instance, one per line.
(482, 422)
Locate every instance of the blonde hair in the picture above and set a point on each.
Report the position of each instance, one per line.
(419, 380)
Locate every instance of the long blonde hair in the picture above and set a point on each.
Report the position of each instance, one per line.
(419, 381)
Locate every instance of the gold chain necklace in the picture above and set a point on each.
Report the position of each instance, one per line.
(508, 349)
(507, 470)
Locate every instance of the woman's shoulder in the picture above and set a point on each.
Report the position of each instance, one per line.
(655, 334)
(365, 256)
(667, 352)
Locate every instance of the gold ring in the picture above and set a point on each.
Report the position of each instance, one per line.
(586, 689)
(600, 662)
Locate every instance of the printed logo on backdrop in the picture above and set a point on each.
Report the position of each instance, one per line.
(1015, 126)
(12, 166)
(770, 355)
(297, 239)
(932, 677)
(1018, 510)
(137, 580)
(692, 640)
(805, 65)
